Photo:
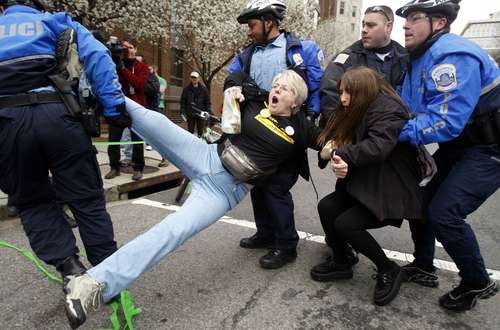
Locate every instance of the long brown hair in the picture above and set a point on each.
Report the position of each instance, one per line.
(364, 85)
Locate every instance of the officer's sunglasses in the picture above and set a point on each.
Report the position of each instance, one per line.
(377, 9)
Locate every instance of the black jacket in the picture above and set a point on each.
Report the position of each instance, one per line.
(384, 174)
(356, 55)
(198, 96)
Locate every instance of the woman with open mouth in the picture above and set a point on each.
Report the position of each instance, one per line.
(221, 175)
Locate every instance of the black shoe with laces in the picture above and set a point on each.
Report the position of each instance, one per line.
(464, 296)
(425, 276)
(256, 242)
(388, 284)
(330, 271)
(277, 258)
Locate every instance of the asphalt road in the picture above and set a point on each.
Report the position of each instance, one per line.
(211, 283)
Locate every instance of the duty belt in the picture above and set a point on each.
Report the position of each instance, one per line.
(20, 100)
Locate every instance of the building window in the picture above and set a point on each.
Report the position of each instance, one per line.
(354, 11)
(353, 27)
(327, 9)
(342, 8)
(177, 69)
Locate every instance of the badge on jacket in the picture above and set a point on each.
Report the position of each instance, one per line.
(341, 58)
(445, 77)
(297, 58)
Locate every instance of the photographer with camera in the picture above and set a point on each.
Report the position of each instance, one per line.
(133, 76)
(40, 132)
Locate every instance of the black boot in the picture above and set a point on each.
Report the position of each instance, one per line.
(256, 242)
(70, 266)
(277, 258)
(331, 271)
(464, 296)
(388, 284)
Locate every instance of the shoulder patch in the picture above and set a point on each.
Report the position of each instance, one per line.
(445, 77)
(297, 58)
(341, 58)
(321, 58)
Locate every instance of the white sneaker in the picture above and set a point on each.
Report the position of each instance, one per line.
(149, 148)
(82, 292)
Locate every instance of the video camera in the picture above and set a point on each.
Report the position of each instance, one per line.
(115, 46)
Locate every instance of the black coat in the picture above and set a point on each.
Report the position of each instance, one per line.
(356, 55)
(384, 174)
(199, 96)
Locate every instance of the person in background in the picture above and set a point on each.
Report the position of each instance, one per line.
(195, 94)
(162, 94)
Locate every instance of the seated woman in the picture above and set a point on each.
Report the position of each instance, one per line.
(219, 174)
(378, 178)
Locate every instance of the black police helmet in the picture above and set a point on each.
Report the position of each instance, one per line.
(263, 9)
(37, 4)
(447, 8)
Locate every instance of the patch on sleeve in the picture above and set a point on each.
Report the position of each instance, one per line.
(321, 58)
(297, 58)
(445, 77)
(341, 58)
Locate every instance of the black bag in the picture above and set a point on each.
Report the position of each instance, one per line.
(151, 91)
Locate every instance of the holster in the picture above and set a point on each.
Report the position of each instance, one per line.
(238, 164)
(482, 129)
(65, 91)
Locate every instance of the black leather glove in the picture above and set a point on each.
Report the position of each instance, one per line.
(311, 115)
(122, 120)
(253, 92)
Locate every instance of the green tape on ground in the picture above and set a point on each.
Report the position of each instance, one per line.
(128, 311)
(34, 260)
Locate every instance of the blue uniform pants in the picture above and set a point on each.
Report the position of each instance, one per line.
(273, 210)
(465, 179)
(38, 139)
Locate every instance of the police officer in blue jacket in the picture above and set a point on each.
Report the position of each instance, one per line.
(39, 134)
(453, 89)
(273, 51)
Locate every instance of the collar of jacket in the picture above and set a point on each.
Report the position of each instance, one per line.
(399, 51)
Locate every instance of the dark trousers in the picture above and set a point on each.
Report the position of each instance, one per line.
(345, 222)
(466, 177)
(195, 121)
(115, 135)
(273, 210)
(43, 138)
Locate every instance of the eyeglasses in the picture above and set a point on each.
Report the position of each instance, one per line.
(284, 88)
(378, 9)
(412, 19)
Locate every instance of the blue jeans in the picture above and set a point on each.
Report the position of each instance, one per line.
(127, 150)
(212, 186)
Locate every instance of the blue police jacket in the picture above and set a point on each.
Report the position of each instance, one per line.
(444, 87)
(27, 55)
(304, 54)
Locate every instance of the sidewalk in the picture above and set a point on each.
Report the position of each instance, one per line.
(119, 187)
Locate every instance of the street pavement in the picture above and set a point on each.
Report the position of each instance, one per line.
(212, 283)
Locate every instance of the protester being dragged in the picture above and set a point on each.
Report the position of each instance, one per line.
(221, 175)
(378, 178)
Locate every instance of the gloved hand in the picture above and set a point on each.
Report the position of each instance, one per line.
(254, 92)
(311, 115)
(121, 120)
